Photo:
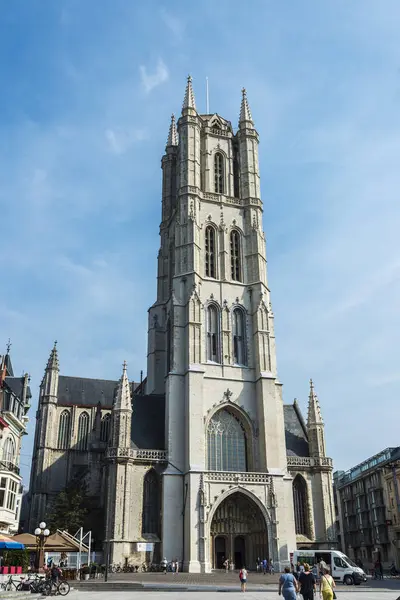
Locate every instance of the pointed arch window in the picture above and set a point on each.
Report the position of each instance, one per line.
(219, 173)
(210, 251)
(236, 269)
(83, 432)
(151, 504)
(300, 505)
(239, 337)
(213, 351)
(9, 450)
(226, 443)
(64, 430)
(105, 428)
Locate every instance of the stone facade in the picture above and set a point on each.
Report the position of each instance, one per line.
(228, 443)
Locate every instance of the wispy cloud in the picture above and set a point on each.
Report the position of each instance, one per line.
(175, 25)
(151, 81)
(120, 141)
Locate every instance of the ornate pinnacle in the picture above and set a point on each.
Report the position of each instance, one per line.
(245, 114)
(189, 101)
(314, 410)
(172, 134)
(123, 400)
(52, 363)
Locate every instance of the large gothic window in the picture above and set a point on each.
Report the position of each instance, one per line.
(9, 450)
(64, 430)
(83, 432)
(213, 352)
(300, 505)
(210, 251)
(239, 338)
(151, 503)
(105, 428)
(218, 173)
(226, 443)
(236, 271)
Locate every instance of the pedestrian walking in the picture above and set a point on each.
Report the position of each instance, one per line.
(164, 564)
(264, 565)
(288, 586)
(327, 585)
(258, 562)
(307, 583)
(271, 567)
(243, 578)
(226, 565)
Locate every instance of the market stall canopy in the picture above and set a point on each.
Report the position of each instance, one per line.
(27, 539)
(61, 541)
(9, 543)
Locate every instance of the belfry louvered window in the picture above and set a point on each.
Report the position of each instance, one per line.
(210, 251)
(105, 428)
(239, 338)
(218, 173)
(83, 432)
(213, 353)
(64, 430)
(236, 270)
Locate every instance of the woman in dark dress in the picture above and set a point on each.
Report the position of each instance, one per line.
(307, 583)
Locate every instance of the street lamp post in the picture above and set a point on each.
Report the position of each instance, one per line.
(42, 533)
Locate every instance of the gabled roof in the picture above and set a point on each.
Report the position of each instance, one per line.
(16, 385)
(82, 391)
(295, 431)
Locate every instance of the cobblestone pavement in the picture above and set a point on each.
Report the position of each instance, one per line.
(345, 594)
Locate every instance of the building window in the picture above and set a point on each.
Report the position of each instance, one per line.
(151, 503)
(226, 443)
(239, 338)
(12, 494)
(213, 333)
(3, 486)
(105, 428)
(64, 430)
(83, 432)
(218, 173)
(236, 271)
(300, 505)
(9, 450)
(210, 251)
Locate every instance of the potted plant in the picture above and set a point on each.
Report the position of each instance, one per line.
(85, 572)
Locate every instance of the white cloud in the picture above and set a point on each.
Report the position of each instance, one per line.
(174, 24)
(120, 141)
(161, 75)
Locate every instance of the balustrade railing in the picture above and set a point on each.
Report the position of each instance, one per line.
(309, 461)
(139, 454)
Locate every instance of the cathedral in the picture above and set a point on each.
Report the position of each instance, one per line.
(201, 461)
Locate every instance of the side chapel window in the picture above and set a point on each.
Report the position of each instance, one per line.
(213, 333)
(105, 428)
(64, 430)
(210, 251)
(83, 432)
(236, 271)
(239, 338)
(218, 173)
(300, 505)
(151, 503)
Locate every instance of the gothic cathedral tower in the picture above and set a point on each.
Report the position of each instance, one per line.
(211, 350)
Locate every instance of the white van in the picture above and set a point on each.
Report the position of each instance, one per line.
(341, 566)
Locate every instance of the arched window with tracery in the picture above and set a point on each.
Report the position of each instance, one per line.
(105, 428)
(239, 337)
(218, 173)
(300, 505)
(151, 503)
(210, 251)
(213, 350)
(83, 432)
(236, 267)
(226, 443)
(9, 450)
(64, 430)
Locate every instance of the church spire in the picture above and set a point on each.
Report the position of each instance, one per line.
(189, 101)
(314, 410)
(172, 134)
(245, 114)
(123, 401)
(52, 363)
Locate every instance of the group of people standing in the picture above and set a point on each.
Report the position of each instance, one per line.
(264, 565)
(305, 582)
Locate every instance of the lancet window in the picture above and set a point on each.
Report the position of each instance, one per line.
(226, 443)
(218, 173)
(105, 428)
(9, 450)
(83, 432)
(213, 350)
(236, 270)
(300, 505)
(239, 338)
(210, 251)
(151, 503)
(64, 430)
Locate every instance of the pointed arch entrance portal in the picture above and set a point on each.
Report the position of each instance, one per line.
(238, 532)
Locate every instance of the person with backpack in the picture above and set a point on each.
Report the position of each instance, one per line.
(243, 578)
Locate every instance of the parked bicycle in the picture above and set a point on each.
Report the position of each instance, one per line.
(11, 584)
(56, 588)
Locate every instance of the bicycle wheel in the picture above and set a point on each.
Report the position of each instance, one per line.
(8, 587)
(47, 588)
(63, 588)
(19, 587)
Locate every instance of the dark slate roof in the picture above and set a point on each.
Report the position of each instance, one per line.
(295, 432)
(148, 422)
(9, 368)
(16, 385)
(81, 391)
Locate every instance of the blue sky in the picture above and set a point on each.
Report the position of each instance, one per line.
(87, 90)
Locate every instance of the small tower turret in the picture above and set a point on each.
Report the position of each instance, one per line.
(315, 425)
(122, 414)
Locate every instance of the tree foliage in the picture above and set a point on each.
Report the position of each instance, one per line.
(69, 508)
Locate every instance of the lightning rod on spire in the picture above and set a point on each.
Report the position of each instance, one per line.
(207, 98)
